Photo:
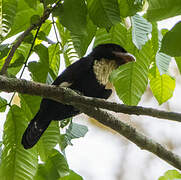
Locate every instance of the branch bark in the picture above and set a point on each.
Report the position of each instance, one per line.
(67, 96)
(91, 106)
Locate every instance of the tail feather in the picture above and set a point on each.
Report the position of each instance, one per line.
(34, 131)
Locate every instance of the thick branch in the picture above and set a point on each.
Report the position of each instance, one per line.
(84, 104)
(67, 96)
(21, 38)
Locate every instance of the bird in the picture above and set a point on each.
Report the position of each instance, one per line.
(88, 76)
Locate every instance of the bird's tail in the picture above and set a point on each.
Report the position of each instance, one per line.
(33, 132)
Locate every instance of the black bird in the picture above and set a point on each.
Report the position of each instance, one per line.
(89, 76)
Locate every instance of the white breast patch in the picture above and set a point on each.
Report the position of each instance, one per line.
(103, 69)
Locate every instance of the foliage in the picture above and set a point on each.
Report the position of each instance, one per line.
(171, 175)
(76, 25)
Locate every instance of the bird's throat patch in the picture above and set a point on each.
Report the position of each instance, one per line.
(103, 69)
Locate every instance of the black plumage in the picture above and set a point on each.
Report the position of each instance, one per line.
(88, 76)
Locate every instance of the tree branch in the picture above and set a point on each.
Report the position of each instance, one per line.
(132, 134)
(86, 105)
(67, 96)
(22, 36)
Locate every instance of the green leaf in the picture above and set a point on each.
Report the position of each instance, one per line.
(30, 105)
(19, 58)
(74, 131)
(3, 103)
(46, 70)
(162, 9)
(162, 62)
(155, 39)
(44, 32)
(39, 70)
(32, 3)
(130, 80)
(171, 42)
(72, 176)
(82, 41)
(72, 14)
(8, 13)
(178, 61)
(17, 163)
(35, 19)
(171, 175)
(54, 59)
(104, 13)
(4, 49)
(140, 30)
(22, 17)
(48, 140)
(55, 167)
(130, 7)
(118, 34)
(162, 86)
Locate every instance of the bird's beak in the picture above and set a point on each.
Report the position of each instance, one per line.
(125, 56)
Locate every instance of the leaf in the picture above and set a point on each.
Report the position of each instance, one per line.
(32, 3)
(30, 105)
(48, 140)
(140, 30)
(162, 9)
(55, 167)
(72, 14)
(130, 80)
(44, 32)
(67, 48)
(4, 49)
(72, 176)
(178, 61)
(39, 70)
(118, 34)
(82, 41)
(74, 131)
(162, 86)
(171, 175)
(104, 13)
(54, 59)
(155, 39)
(17, 163)
(9, 8)
(162, 62)
(171, 42)
(3, 104)
(130, 7)
(23, 15)
(19, 58)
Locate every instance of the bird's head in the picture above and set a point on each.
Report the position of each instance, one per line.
(112, 52)
(108, 57)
